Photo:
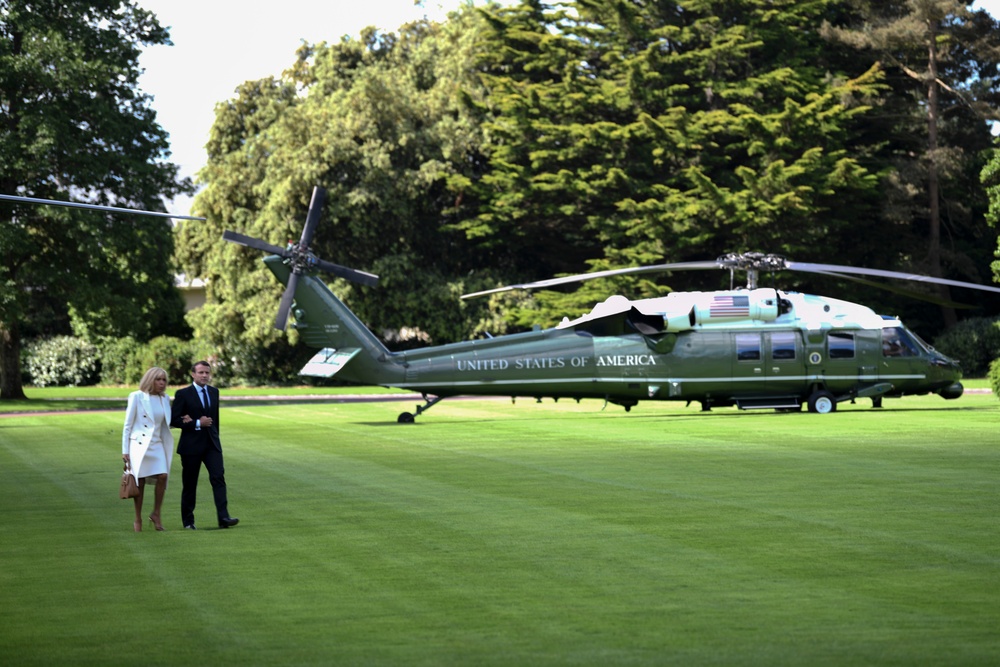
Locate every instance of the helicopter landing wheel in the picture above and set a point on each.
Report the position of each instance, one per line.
(408, 417)
(822, 402)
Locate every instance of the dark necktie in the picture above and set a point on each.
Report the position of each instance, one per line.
(204, 397)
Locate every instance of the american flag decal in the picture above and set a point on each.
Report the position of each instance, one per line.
(730, 306)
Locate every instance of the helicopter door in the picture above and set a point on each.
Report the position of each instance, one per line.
(852, 359)
(901, 362)
(785, 362)
(748, 364)
(767, 364)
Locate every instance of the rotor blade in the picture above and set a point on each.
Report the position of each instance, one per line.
(251, 242)
(362, 277)
(312, 218)
(97, 207)
(286, 302)
(931, 298)
(552, 282)
(915, 277)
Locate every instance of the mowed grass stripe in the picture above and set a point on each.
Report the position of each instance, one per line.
(491, 534)
(81, 585)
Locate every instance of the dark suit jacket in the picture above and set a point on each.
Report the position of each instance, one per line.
(187, 402)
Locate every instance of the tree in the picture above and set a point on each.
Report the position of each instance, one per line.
(380, 121)
(517, 142)
(627, 133)
(991, 180)
(949, 54)
(76, 126)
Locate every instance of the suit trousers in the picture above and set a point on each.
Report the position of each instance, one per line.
(212, 458)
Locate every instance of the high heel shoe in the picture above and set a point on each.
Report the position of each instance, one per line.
(156, 522)
(137, 526)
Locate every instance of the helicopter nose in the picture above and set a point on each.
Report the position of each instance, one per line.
(952, 391)
(947, 369)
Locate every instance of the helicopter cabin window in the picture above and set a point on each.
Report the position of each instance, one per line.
(747, 347)
(840, 345)
(895, 343)
(783, 346)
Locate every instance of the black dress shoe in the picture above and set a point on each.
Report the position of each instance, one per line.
(228, 522)
(190, 526)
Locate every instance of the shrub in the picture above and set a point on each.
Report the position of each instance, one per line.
(124, 360)
(120, 363)
(171, 354)
(974, 342)
(994, 377)
(250, 365)
(62, 361)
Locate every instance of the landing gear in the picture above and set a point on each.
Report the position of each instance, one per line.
(409, 417)
(822, 402)
(627, 403)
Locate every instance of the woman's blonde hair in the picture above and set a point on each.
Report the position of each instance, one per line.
(146, 384)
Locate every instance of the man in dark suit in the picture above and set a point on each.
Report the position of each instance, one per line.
(196, 413)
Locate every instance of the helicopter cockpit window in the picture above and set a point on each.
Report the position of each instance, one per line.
(747, 347)
(783, 346)
(841, 345)
(896, 343)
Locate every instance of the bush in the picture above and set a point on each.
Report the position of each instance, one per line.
(249, 365)
(994, 377)
(974, 342)
(120, 363)
(62, 361)
(171, 354)
(125, 360)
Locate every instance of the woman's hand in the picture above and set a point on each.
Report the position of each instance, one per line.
(185, 419)
(126, 459)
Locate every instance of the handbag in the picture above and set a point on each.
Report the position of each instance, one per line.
(129, 488)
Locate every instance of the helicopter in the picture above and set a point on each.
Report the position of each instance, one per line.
(750, 347)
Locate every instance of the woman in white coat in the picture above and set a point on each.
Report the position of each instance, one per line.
(147, 444)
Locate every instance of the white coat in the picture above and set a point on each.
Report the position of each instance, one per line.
(138, 430)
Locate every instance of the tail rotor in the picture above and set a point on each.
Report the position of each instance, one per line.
(300, 259)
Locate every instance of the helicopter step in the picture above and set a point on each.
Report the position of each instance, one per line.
(770, 402)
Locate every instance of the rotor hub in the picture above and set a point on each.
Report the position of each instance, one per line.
(300, 258)
(753, 261)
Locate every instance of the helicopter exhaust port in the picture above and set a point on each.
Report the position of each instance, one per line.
(758, 304)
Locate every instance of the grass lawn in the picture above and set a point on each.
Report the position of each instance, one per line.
(60, 399)
(492, 534)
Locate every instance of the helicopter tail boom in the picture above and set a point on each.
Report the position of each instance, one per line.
(349, 348)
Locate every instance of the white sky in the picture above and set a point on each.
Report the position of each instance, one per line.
(219, 44)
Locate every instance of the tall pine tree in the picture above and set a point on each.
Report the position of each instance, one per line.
(942, 61)
(627, 133)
